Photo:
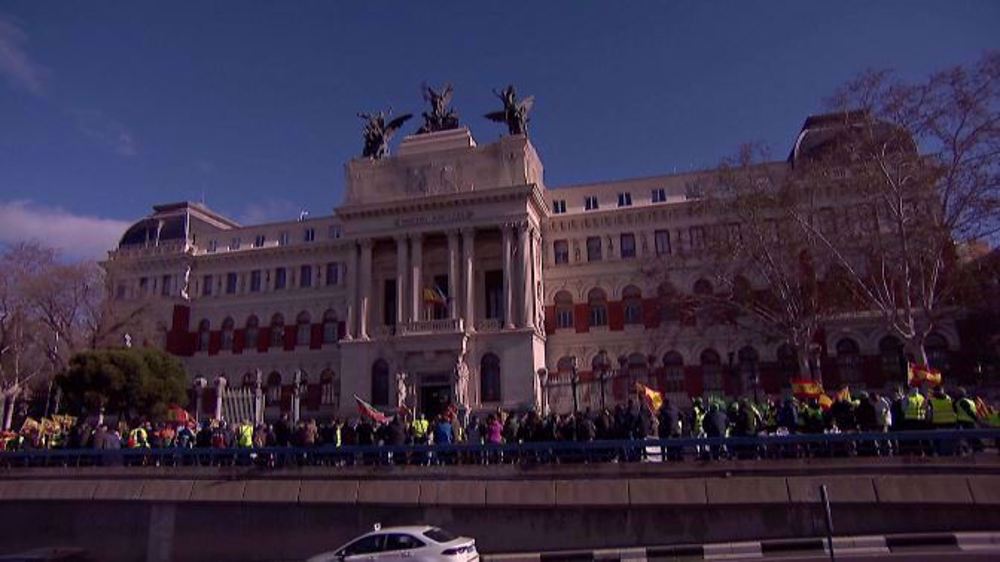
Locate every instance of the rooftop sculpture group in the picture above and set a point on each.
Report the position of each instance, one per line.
(378, 132)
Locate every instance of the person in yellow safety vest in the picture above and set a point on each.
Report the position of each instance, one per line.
(244, 435)
(942, 410)
(915, 409)
(138, 437)
(420, 426)
(966, 416)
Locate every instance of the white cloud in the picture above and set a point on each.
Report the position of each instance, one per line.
(15, 65)
(76, 236)
(106, 131)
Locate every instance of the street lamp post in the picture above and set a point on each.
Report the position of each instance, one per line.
(624, 371)
(200, 383)
(574, 380)
(814, 353)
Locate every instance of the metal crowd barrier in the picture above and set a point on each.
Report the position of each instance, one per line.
(923, 443)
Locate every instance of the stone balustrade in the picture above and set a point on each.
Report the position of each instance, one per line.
(420, 327)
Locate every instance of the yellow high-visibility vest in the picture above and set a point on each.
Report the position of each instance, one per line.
(915, 409)
(943, 411)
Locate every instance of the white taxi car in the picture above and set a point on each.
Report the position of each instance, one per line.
(404, 544)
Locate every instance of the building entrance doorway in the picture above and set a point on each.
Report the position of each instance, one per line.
(434, 399)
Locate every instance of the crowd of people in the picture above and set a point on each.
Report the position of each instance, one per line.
(715, 418)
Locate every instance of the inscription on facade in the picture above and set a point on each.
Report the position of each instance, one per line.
(443, 218)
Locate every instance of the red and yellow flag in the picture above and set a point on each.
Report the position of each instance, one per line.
(916, 375)
(806, 389)
(825, 402)
(652, 398)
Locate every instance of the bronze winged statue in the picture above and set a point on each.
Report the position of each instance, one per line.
(441, 117)
(377, 133)
(514, 113)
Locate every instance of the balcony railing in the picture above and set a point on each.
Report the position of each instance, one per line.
(422, 327)
(489, 325)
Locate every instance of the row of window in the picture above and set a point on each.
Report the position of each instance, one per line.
(747, 363)
(251, 331)
(591, 202)
(284, 238)
(258, 279)
(626, 245)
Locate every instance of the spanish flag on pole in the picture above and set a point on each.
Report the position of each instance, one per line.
(652, 398)
(918, 374)
(434, 295)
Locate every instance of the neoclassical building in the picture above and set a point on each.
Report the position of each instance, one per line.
(451, 272)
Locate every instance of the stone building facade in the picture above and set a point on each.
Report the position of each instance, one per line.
(451, 273)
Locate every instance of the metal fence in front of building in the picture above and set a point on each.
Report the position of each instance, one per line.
(946, 443)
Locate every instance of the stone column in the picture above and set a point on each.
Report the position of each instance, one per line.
(416, 273)
(453, 275)
(469, 280)
(296, 395)
(365, 274)
(401, 265)
(508, 278)
(351, 278)
(527, 292)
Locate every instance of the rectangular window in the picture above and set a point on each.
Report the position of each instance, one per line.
(231, 280)
(332, 274)
(627, 245)
(559, 206)
(590, 203)
(213, 245)
(561, 248)
(662, 240)
(594, 248)
(493, 281)
(283, 238)
(206, 285)
(564, 317)
(234, 244)
(280, 278)
(305, 276)
(165, 286)
(120, 292)
(659, 195)
(309, 235)
(258, 241)
(697, 237)
(625, 199)
(255, 281)
(143, 285)
(334, 232)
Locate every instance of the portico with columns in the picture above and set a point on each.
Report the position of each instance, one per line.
(446, 255)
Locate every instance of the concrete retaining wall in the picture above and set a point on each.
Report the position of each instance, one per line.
(259, 519)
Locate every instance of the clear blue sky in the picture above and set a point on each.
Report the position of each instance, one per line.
(107, 108)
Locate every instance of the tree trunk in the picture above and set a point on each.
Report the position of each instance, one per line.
(8, 417)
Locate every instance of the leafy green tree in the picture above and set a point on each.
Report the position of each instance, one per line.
(130, 382)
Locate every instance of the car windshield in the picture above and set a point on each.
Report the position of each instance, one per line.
(439, 535)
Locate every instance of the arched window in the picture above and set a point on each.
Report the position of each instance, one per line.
(380, 383)
(227, 334)
(489, 378)
(204, 334)
(303, 328)
(598, 303)
(673, 366)
(670, 303)
(936, 347)
(711, 372)
(893, 361)
(601, 362)
(788, 363)
(277, 330)
(638, 369)
(849, 361)
(249, 381)
(564, 368)
(564, 310)
(274, 387)
(251, 332)
(329, 388)
(749, 367)
(632, 301)
(329, 326)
